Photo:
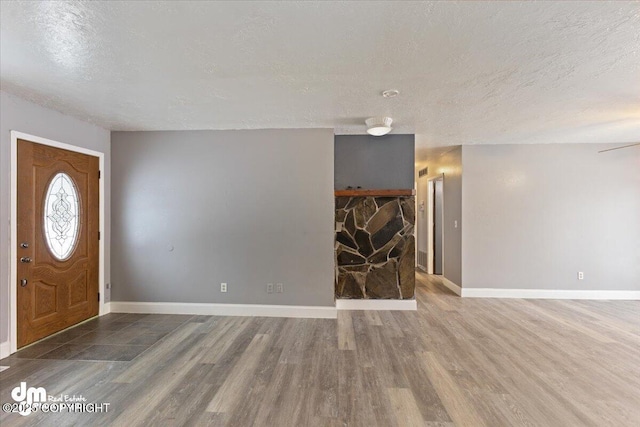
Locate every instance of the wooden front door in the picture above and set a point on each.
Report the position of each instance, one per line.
(58, 233)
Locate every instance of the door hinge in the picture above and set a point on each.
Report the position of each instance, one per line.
(98, 235)
(98, 296)
(99, 174)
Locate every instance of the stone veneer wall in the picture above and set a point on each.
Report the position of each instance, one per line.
(375, 251)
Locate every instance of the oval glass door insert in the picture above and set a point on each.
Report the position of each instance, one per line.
(61, 216)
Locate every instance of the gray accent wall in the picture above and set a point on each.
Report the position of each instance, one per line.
(536, 215)
(448, 163)
(193, 209)
(384, 162)
(23, 116)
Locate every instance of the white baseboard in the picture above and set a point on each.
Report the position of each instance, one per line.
(376, 304)
(549, 294)
(452, 286)
(5, 349)
(211, 309)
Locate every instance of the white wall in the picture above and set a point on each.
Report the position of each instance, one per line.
(23, 116)
(535, 215)
(192, 209)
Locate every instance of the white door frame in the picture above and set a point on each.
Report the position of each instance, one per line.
(13, 217)
(430, 222)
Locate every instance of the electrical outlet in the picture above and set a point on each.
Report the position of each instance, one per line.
(279, 288)
(269, 288)
(580, 275)
(223, 287)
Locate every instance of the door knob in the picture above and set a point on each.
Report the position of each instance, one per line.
(25, 259)
(23, 282)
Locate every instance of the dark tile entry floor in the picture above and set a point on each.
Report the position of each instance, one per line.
(112, 337)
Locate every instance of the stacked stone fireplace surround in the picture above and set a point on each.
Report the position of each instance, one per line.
(375, 246)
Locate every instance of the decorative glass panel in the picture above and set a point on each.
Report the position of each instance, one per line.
(61, 216)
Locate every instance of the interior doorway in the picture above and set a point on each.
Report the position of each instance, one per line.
(430, 224)
(438, 204)
(57, 251)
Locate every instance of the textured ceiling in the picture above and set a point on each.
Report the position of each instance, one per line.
(467, 72)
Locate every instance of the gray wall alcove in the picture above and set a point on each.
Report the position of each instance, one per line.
(385, 162)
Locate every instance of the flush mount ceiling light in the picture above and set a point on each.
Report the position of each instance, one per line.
(391, 93)
(378, 126)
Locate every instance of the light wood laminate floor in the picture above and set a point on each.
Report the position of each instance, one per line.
(462, 362)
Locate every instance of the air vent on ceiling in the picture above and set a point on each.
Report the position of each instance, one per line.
(423, 172)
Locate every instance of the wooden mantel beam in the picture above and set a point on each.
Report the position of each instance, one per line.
(375, 193)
